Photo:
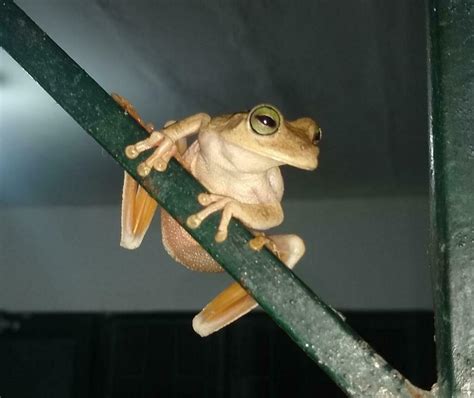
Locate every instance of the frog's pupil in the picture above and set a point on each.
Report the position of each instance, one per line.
(266, 120)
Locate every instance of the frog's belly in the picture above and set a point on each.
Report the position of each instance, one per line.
(183, 248)
(217, 180)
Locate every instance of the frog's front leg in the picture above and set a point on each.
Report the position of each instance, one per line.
(257, 216)
(165, 142)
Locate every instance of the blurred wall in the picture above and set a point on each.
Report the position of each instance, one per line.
(357, 67)
(361, 254)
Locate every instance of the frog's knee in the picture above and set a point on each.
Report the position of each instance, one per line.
(290, 247)
(296, 247)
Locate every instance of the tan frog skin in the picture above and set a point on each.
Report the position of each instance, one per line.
(237, 158)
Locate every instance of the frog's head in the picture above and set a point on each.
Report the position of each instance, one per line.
(264, 131)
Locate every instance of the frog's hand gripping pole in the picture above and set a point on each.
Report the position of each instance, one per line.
(313, 325)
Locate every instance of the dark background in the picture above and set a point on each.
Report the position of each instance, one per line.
(118, 326)
(158, 355)
(357, 67)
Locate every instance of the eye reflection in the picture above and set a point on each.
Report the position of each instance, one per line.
(266, 120)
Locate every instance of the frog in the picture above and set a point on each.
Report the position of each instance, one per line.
(237, 158)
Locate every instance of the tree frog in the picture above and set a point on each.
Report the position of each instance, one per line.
(237, 158)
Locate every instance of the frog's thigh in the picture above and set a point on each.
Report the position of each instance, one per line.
(181, 246)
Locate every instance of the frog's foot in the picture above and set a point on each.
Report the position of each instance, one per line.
(260, 241)
(159, 159)
(130, 109)
(234, 302)
(214, 203)
(228, 306)
(138, 209)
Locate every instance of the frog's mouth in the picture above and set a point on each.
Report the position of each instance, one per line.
(290, 147)
(294, 147)
(306, 157)
(307, 162)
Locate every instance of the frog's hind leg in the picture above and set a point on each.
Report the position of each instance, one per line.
(138, 208)
(234, 302)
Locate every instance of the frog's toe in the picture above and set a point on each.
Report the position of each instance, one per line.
(228, 306)
(161, 163)
(204, 199)
(158, 160)
(221, 236)
(143, 169)
(193, 221)
(131, 152)
(260, 241)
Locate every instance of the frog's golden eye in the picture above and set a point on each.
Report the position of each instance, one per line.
(265, 120)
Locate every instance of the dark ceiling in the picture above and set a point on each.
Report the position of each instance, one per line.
(358, 68)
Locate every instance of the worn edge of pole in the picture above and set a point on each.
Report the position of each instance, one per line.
(451, 104)
(439, 301)
(314, 326)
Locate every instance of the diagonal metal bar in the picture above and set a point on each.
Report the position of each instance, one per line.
(452, 192)
(312, 324)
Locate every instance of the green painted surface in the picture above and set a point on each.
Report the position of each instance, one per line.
(452, 193)
(314, 326)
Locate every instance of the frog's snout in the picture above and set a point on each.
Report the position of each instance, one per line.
(315, 134)
(310, 129)
(315, 159)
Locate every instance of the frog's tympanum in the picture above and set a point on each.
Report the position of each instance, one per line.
(237, 158)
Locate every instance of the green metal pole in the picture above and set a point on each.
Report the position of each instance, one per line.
(452, 192)
(313, 325)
